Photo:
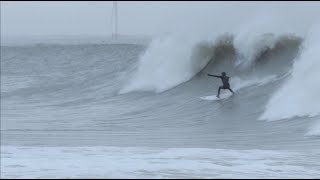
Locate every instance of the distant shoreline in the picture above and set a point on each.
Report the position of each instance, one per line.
(74, 40)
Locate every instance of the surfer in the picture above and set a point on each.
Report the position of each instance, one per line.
(225, 82)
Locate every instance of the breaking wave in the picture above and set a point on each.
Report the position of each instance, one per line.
(250, 60)
(169, 62)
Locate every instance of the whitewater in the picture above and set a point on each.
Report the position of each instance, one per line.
(126, 110)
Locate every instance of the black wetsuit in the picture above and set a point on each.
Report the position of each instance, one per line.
(225, 82)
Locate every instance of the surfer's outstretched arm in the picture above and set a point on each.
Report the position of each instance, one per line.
(214, 76)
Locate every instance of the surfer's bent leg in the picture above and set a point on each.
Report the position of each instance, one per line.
(219, 91)
(231, 90)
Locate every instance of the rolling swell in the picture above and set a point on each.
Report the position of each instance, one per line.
(74, 73)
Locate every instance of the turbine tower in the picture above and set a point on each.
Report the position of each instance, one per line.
(115, 16)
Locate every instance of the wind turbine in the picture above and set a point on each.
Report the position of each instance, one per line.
(115, 19)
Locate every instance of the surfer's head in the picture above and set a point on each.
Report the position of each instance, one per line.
(223, 73)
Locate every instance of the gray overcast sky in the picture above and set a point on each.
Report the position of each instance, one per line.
(144, 18)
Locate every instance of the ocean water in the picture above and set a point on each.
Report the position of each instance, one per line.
(103, 110)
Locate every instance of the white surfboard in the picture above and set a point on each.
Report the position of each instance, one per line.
(214, 97)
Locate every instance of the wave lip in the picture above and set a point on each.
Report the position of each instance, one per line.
(167, 63)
